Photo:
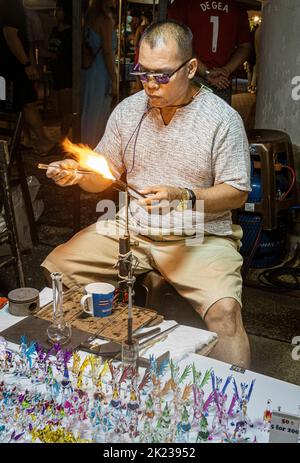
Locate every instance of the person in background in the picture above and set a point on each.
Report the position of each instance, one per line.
(145, 21)
(17, 68)
(36, 35)
(222, 39)
(99, 81)
(60, 63)
(250, 121)
(134, 22)
(250, 64)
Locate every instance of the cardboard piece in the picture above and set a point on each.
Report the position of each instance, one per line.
(111, 328)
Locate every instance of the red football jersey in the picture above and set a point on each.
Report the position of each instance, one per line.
(217, 26)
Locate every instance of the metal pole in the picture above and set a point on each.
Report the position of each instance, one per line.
(162, 10)
(153, 11)
(76, 97)
(119, 49)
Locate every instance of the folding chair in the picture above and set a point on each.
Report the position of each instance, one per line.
(10, 131)
(10, 235)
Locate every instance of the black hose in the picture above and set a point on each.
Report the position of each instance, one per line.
(273, 278)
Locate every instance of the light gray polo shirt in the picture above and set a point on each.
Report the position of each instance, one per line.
(205, 144)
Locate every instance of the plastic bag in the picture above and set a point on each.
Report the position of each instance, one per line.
(37, 204)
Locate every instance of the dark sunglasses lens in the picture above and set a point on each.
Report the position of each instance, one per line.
(143, 77)
(163, 79)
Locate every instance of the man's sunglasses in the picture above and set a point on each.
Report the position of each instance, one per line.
(159, 77)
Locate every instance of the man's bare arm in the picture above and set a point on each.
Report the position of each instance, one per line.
(239, 57)
(15, 44)
(221, 198)
(217, 199)
(94, 183)
(17, 49)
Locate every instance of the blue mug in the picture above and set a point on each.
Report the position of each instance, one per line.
(98, 300)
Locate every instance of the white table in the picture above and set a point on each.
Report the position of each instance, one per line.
(284, 396)
(181, 342)
(281, 394)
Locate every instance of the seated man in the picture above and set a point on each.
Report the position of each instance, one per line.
(174, 141)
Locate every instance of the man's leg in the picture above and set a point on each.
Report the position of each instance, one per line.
(34, 122)
(90, 256)
(65, 110)
(224, 318)
(209, 276)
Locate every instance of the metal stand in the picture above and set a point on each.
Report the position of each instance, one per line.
(125, 263)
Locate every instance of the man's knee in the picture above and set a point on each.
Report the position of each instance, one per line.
(225, 317)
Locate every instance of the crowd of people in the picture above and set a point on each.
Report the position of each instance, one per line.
(222, 42)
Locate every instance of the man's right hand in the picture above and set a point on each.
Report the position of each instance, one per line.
(62, 172)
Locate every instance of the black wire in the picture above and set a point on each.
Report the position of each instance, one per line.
(273, 278)
(138, 127)
(134, 146)
(248, 260)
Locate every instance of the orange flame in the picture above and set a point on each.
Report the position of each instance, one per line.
(87, 158)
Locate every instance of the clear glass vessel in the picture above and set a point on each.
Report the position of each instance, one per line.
(59, 331)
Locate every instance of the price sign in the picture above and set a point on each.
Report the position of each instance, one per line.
(284, 428)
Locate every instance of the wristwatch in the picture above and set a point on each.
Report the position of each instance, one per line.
(192, 197)
(183, 203)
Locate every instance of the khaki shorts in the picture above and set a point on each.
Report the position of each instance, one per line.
(203, 274)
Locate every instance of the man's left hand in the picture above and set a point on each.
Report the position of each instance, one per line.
(158, 194)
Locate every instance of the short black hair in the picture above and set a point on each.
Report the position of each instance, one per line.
(67, 7)
(162, 31)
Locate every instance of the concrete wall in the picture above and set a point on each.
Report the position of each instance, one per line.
(279, 64)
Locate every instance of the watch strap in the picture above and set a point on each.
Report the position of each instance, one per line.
(192, 196)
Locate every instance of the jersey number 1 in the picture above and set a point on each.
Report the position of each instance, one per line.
(215, 21)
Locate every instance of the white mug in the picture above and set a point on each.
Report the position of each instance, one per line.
(98, 300)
